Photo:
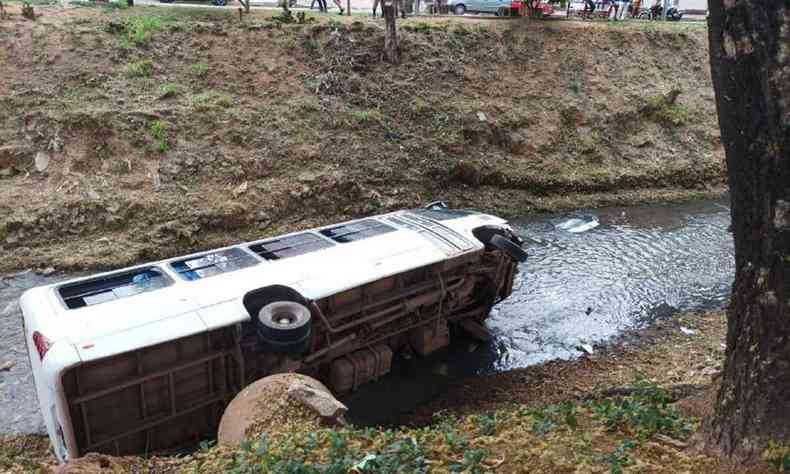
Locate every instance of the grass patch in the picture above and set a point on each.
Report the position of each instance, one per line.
(199, 70)
(115, 5)
(212, 99)
(142, 68)
(666, 110)
(158, 131)
(136, 31)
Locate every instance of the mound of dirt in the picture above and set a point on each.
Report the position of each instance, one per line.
(171, 130)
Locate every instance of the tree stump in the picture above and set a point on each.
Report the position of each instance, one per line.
(391, 50)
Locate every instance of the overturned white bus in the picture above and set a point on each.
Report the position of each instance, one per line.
(146, 358)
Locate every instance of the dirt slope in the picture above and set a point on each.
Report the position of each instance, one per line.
(136, 134)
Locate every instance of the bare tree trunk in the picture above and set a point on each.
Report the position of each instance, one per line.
(750, 64)
(391, 51)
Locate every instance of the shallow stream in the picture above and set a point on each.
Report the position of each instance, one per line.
(590, 276)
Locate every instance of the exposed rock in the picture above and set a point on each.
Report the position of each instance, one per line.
(41, 161)
(7, 365)
(322, 402)
(270, 406)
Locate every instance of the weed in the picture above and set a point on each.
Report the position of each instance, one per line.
(777, 456)
(170, 90)
(472, 462)
(112, 5)
(206, 445)
(361, 116)
(487, 423)
(424, 27)
(665, 109)
(158, 132)
(643, 414)
(136, 31)
(542, 423)
(142, 68)
(457, 442)
(619, 457)
(208, 100)
(402, 455)
(224, 100)
(199, 70)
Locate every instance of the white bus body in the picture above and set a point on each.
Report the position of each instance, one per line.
(145, 358)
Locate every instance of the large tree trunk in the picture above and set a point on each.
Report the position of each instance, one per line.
(750, 62)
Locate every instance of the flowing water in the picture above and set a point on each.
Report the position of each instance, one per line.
(589, 277)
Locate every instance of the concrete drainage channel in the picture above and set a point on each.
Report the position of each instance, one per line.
(590, 276)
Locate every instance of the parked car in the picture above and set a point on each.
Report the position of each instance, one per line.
(145, 359)
(497, 7)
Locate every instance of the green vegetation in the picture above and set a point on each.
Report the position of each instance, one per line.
(199, 70)
(609, 432)
(142, 68)
(778, 456)
(112, 5)
(158, 131)
(665, 109)
(643, 414)
(211, 99)
(361, 116)
(170, 90)
(136, 31)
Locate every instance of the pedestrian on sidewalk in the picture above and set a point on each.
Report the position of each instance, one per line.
(376, 6)
(321, 5)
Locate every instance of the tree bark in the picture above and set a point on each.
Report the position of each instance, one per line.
(391, 51)
(750, 64)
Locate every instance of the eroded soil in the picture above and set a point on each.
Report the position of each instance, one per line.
(129, 135)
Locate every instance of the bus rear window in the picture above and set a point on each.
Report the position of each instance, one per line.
(112, 287)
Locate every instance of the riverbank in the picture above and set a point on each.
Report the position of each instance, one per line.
(136, 134)
(632, 407)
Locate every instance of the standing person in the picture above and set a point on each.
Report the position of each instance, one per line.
(376, 6)
(635, 10)
(589, 8)
(339, 5)
(624, 9)
(400, 7)
(612, 6)
(321, 5)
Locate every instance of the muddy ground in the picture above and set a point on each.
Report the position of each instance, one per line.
(135, 134)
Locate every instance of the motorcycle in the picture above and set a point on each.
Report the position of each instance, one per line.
(656, 13)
